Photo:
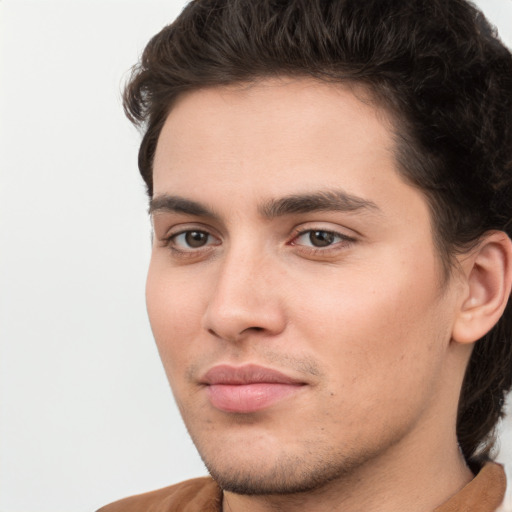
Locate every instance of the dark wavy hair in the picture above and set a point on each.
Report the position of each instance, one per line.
(436, 65)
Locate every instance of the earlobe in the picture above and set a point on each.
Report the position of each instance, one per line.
(488, 272)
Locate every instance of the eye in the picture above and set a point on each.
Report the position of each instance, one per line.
(191, 239)
(319, 238)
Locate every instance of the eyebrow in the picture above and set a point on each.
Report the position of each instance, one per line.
(178, 204)
(328, 200)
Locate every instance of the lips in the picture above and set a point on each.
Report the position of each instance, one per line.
(248, 388)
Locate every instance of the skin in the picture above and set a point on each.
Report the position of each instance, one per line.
(364, 321)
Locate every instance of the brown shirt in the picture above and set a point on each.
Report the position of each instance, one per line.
(483, 494)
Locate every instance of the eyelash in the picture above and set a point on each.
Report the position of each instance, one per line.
(190, 252)
(342, 241)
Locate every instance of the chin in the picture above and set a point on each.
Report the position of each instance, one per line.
(287, 475)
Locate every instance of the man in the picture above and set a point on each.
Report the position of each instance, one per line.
(330, 187)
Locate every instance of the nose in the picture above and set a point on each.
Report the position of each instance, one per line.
(245, 299)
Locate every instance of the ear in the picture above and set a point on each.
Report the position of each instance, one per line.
(488, 281)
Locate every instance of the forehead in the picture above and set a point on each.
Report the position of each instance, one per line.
(290, 127)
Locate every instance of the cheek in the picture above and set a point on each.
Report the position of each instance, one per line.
(174, 305)
(381, 330)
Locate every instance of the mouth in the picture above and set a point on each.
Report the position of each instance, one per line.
(248, 388)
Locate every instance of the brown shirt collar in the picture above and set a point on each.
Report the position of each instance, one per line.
(484, 493)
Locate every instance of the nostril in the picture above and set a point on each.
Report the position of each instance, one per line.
(231, 319)
(249, 330)
(240, 334)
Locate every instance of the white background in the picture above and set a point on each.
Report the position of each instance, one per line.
(86, 415)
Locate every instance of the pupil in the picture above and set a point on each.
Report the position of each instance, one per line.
(321, 238)
(196, 238)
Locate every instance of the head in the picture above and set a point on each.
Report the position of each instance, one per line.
(433, 85)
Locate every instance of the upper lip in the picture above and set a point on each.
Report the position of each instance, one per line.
(247, 374)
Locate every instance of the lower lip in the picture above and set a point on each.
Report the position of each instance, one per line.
(246, 398)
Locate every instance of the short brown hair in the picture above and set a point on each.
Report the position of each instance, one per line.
(437, 65)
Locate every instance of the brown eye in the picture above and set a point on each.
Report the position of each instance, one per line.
(192, 239)
(195, 239)
(321, 238)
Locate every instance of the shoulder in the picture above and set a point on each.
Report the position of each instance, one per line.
(198, 494)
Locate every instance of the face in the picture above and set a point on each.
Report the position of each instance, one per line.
(294, 291)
